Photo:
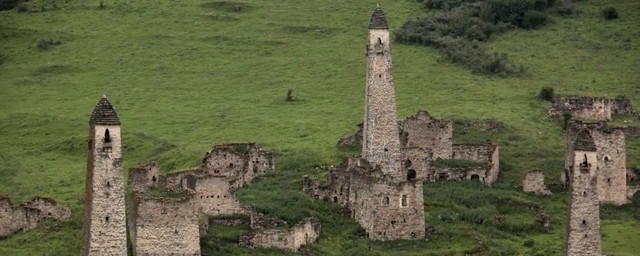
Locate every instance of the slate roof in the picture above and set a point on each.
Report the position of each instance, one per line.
(104, 113)
(584, 141)
(378, 21)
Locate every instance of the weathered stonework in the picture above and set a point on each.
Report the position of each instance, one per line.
(590, 108)
(266, 236)
(424, 139)
(533, 182)
(28, 215)
(164, 226)
(611, 155)
(583, 228)
(104, 228)
(381, 144)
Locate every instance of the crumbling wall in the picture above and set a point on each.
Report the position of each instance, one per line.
(239, 161)
(214, 195)
(158, 226)
(582, 108)
(428, 133)
(386, 210)
(28, 215)
(486, 152)
(143, 176)
(533, 182)
(305, 232)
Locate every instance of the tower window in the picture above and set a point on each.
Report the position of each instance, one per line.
(107, 136)
(584, 222)
(379, 41)
(106, 218)
(404, 201)
(385, 200)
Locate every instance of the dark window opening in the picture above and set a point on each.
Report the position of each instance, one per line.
(107, 137)
(153, 179)
(609, 180)
(411, 175)
(584, 193)
(404, 201)
(442, 176)
(230, 165)
(107, 218)
(379, 41)
(335, 199)
(475, 177)
(386, 150)
(606, 158)
(108, 184)
(413, 234)
(385, 200)
(584, 222)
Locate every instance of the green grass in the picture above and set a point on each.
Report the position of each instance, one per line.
(184, 75)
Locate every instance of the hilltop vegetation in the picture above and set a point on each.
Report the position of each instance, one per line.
(184, 75)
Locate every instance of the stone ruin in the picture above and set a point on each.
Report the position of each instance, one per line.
(591, 108)
(533, 182)
(28, 215)
(197, 197)
(611, 171)
(425, 139)
(583, 227)
(268, 232)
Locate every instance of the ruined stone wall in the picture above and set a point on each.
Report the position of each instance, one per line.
(28, 215)
(104, 229)
(533, 182)
(418, 160)
(582, 108)
(387, 211)
(239, 161)
(305, 232)
(159, 226)
(583, 228)
(428, 133)
(214, 196)
(487, 152)
(143, 176)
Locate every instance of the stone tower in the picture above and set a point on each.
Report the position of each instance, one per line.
(104, 229)
(583, 229)
(381, 140)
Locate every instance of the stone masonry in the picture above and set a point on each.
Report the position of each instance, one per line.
(533, 182)
(591, 108)
(425, 139)
(266, 235)
(583, 228)
(104, 228)
(382, 195)
(28, 215)
(381, 144)
(611, 160)
(164, 226)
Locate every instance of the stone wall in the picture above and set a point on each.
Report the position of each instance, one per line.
(239, 161)
(214, 195)
(305, 232)
(583, 228)
(158, 226)
(143, 176)
(486, 152)
(427, 133)
(591, 108)
(387, 211)
(533, 182)
(28, 215)
(611, 156)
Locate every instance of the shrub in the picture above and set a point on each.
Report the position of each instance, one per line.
(547, 94)
(529, 243)
(534, 19)
(8, 4)
(610, 13)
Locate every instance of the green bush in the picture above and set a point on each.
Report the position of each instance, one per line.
(8, 4)
(610, 13)
(547, 94)
(534, 19)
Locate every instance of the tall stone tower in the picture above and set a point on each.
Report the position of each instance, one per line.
(583, 228)
(104, 229)
(381, 140)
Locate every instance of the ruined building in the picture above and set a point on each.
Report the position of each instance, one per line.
(28, 215)
(583, 228)
(104, 228)
(611, 168)
(383, 197)
(533, 182)
(591, 108)
(425, 140)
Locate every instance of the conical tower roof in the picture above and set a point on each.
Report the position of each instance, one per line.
(378, 21)
(584, 141)
(104, 113)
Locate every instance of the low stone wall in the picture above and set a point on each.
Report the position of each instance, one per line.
(303, 233)
(28, 215)
(533, 182)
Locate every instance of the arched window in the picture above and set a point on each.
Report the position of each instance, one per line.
(379, 41)
(107, 136)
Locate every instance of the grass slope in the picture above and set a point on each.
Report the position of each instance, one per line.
(185, 75)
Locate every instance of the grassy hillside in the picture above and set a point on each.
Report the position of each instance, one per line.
(184, 75)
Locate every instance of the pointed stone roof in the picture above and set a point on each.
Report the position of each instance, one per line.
(378, 21)
(584, 141)
(104, 113)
